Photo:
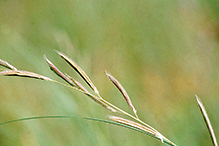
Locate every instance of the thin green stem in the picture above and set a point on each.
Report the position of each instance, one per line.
(86, 118)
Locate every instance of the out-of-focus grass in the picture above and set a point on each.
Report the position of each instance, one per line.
(162, 52)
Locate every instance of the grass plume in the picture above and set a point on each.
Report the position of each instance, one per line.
(135, 123)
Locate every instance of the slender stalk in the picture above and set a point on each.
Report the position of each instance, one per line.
(86, 118)
(207, 120)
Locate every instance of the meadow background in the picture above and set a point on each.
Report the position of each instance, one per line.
(162, 52)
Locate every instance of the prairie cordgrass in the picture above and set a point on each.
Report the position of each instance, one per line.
(135, 123)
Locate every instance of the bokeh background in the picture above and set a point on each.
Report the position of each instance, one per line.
(162, 52)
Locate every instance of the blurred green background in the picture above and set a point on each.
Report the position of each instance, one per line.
(162, 52)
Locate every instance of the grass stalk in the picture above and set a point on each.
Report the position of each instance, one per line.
(207, 120)
(137, 124)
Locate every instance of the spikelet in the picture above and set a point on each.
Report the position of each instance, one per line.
(79, 71)
(58, 72)
(24, 74)
(7, 65)
(122, 90)
(77, 84)
(135, 125)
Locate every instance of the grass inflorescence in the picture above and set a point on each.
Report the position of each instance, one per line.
(135, 123)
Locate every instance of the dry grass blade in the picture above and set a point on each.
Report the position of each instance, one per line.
(79, 71)
(207, 120)
(58, 72)
(122, 90)
(7, 65)
(24, 74)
